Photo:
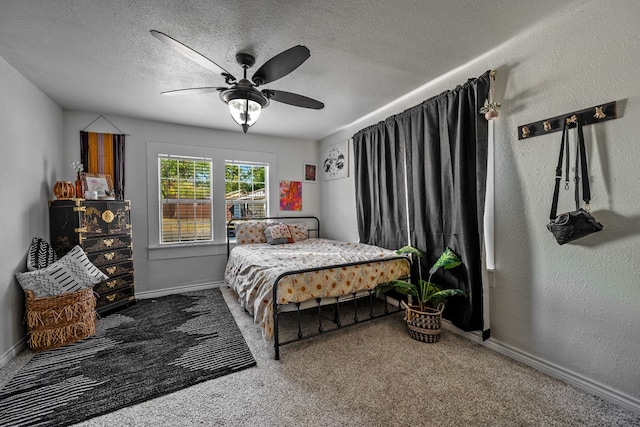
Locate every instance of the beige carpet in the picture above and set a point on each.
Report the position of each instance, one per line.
(374, 374)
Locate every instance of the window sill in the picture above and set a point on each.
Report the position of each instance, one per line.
(157, 252)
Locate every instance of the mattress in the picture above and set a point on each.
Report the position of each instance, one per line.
(252, 270)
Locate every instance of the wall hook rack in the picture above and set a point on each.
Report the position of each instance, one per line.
(588, 116)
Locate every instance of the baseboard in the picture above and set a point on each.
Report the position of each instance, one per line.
(13, 352)
(177, 289)
(583, 383)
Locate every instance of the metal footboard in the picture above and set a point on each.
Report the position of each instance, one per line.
(337, 320)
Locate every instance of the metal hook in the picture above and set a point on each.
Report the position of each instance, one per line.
(599, 113)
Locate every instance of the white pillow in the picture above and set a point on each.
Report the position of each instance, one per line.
(278, 234)
(70, 273)
(250, 232)
(299, 232)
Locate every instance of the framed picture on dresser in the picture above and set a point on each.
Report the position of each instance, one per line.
(100, 183)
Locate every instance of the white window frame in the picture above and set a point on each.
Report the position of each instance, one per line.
(179, 201)
(266, 189)
(219, 156)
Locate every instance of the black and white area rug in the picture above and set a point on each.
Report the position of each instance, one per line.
(152, 348)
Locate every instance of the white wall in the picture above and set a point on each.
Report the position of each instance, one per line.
(160, 271)
(31, 161)
(572, 310)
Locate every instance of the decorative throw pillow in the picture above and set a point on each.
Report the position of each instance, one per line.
(70, 273)
(250, 232)
(278, 234)
(40, 255)
(299, 232)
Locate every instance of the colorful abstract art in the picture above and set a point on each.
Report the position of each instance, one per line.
(290, 195)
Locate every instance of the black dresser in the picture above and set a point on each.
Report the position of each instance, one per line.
(102, 228)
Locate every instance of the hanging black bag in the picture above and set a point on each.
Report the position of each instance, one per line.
(573, 225)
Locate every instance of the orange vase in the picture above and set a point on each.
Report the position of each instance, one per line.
(64, 190)
(79, 188)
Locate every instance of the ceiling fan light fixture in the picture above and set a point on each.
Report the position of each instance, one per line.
(245, 104)
(244, 111)
(244, 100)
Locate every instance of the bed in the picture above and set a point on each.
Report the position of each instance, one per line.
(274, 273)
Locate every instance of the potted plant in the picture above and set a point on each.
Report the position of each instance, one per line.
(424, 318)
(490, 109)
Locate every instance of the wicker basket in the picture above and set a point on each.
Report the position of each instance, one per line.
(55, 321)
(424, 325)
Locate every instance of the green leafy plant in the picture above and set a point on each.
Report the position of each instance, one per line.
(426, 292)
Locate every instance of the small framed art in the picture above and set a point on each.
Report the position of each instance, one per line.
(99, 183)
(310, 172)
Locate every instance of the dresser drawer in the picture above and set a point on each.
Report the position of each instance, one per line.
(118, 297)
(106, 243)
(119, 269)
(100, 259)
(114, 284)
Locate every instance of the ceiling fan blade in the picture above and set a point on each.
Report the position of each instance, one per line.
(192, 54)
(194, 90)
(281, 65)
(293, 99)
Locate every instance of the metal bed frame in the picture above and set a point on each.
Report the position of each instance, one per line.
(319, 302)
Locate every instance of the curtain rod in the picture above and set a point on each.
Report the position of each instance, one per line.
(94, 120)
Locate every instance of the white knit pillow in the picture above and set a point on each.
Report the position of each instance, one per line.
(70, 273)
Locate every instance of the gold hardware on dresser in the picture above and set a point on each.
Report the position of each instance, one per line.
(103, 229)
(108, 216)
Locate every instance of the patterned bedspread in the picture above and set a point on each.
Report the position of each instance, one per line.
(253, 268)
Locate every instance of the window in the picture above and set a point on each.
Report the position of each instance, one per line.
(178, 231)
(246, 189)
(185, 199)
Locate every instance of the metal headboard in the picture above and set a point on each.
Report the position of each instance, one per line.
(231, 225)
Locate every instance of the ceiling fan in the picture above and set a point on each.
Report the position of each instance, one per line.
(244, 100)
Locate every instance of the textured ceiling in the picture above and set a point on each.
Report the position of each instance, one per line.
(98, 56)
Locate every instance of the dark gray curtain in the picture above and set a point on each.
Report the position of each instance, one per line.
(379, 181)
(446, 140)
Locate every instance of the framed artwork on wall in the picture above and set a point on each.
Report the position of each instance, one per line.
(335, 162)
(290, 195)
(310, 172)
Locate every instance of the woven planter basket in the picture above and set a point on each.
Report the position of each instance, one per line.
(424, 325)
(55, 321)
